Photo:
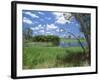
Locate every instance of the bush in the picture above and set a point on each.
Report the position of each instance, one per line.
(49, 38)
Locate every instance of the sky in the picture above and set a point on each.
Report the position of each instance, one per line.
(50, 23)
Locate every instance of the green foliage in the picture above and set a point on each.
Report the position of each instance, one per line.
(49, 38)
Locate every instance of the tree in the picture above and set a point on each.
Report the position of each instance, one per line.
(84, 20)
(27, 34)
(69, 37)
(55, 40)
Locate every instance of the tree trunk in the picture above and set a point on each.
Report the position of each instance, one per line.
(87, 36)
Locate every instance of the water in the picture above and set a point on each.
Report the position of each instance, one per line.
(71, 44)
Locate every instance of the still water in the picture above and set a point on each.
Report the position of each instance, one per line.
(71, 44)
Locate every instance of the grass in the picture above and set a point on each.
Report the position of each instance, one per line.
(38, 56)
(38, 44)
(72, 40)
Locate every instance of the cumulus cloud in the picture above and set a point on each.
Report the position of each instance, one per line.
(61, 30)
(31, 14)
(57, 30)
(49, 33)
(60, 18)
(41, 13)
(34, 28)
(51, 26)
(39, 27)
(26, 20)
(42, 31)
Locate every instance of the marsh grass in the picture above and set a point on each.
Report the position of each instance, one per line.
(34, 56)
(73, 57)
(38, 56)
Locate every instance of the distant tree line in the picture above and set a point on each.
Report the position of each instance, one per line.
(49, 38)
(28, 37)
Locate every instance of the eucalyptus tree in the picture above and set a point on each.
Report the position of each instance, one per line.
(85, 22)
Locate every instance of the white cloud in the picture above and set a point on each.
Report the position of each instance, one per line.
(32, 28)
(41, 13)
(60, 18)
(51, 26)
(61, 30)
(37, 28)
(48, 32)
(42, 31)
(26, 20)
(57, 30)
(31, 14)
(39, 25)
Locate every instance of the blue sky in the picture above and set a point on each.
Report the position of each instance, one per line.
(50, 23)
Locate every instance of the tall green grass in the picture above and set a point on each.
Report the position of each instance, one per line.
(73, 57)
(36, 56)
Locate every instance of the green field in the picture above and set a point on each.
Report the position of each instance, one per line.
(72, 40)
(41, 56)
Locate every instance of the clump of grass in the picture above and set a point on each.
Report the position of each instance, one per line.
(72, 57)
